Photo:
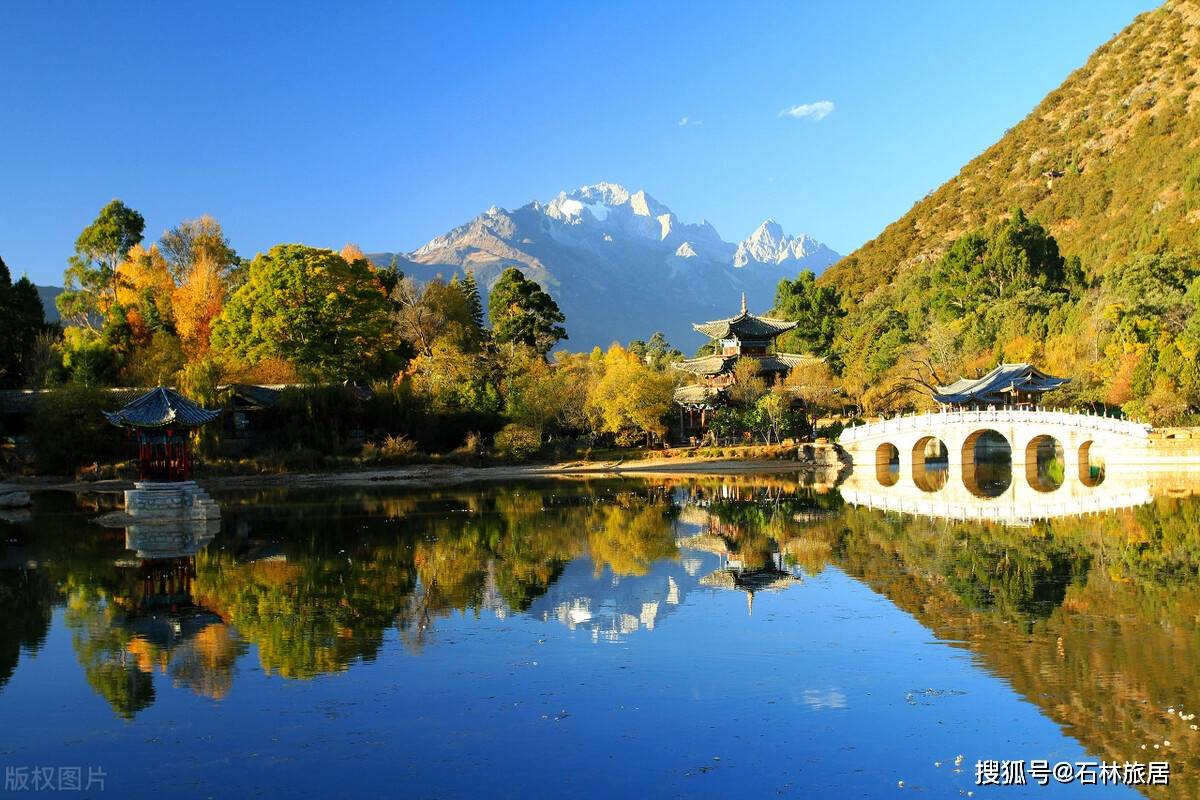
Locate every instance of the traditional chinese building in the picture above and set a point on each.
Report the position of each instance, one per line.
(1006, 385)
(743, 336)
(161, 422)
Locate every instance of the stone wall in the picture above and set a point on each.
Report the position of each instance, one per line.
(180, 500)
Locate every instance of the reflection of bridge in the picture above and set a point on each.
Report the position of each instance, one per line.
(1019, 503)
(991, 464)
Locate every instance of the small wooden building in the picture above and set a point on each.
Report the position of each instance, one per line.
(161, 421)
(1019, 385)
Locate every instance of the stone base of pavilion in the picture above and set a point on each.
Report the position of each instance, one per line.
(169, 501)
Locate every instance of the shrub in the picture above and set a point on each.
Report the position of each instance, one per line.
(392, 449)
(831, 431)
(68, 430)
(517, 442)
(302, 458)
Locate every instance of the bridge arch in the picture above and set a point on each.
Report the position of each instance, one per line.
(1091, 464)
(887, 464)
(986, 463)
(1045, 463)
(930, 463)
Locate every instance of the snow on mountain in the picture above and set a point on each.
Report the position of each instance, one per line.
(686, 250)
(770, 245)
(620, 264)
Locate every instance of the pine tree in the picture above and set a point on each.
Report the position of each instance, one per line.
(7, 332)
(470, 290)
(523, 314)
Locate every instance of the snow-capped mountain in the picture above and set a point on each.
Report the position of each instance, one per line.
(770, 245)
(621, 265)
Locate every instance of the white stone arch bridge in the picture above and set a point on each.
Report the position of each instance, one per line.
(926, 463)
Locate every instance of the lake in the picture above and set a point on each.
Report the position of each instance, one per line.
(665, 637)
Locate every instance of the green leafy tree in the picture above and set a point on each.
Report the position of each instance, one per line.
(90, 281)
(533, 394)
(816, 307)
(309, 306)
(657, 352)
(522, 313)
(1009, 257)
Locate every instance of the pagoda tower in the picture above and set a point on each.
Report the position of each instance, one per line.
(743, 336)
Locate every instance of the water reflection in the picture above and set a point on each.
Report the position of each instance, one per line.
(987, 464)
(1091, 618)
(141, 617)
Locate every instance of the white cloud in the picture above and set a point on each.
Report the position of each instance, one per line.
(815, 111)
(684, 121)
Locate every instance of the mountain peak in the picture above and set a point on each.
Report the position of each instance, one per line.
(603, 241)
(646, 206)
(610, 194)
(770, 245)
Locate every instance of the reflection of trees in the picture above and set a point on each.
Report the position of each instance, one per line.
(756, 522)
(630, 534)
(205, 662)
(1019, 575)
(26, 598)
(1106, 606)
(314, 602)
(308, 615)
(112, 668)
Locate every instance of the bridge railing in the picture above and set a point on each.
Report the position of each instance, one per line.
(929, 421)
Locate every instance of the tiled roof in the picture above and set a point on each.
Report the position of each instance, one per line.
(744, 326)
(697, 395)
(159, 408)
(716, 364)
(998, 385)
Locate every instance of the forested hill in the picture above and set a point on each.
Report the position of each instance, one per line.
(1109, 163)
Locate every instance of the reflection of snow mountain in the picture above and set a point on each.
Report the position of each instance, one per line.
(612, 606)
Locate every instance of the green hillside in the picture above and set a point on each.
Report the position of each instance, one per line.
(1122, 131)
(1108, 165)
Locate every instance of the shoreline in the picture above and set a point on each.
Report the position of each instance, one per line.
(418, 475)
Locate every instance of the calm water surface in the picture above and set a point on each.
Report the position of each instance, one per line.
(682, 638)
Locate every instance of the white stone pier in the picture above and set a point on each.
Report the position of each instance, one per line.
(175, 501)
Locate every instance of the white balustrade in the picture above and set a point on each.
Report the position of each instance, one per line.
(931, 422)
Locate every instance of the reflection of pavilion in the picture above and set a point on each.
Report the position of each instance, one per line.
(160, 606)
(168, 629)
(771, 576)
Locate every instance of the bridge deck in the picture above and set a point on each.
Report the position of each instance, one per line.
(932, 421)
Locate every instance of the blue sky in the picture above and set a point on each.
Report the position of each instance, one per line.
(385, 124)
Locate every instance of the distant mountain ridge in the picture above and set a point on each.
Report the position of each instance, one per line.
(620, 264)
(48, 294)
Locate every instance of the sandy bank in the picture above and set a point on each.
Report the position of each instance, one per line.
(448, 475)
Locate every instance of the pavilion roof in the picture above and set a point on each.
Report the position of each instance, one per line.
(697, 395)
(744, 326)
(160, 408)
(997, 385)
